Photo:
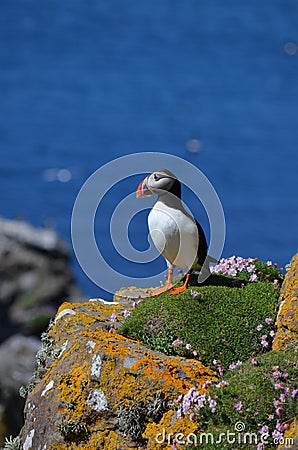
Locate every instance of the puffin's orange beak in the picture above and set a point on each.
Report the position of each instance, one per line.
(143, 191)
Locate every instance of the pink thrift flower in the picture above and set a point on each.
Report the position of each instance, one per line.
(277, 374)
(222, 384)
(220, 370)
(188, 347)
(279, 426)
(238, 406)
(113, 318)
(294, 393)
(254, 361)
(194, 293)
(253, 277)
(186, 405)
(277, 435)
(259, 327)
(260, 446)
(268, 320)
(269, 263)
(125, 313)
(232, 271)
(264, 430)
(212, 404)
(201, 401)
(179, 413)
(276, 403)
(177, 343)
(279, 411)
(206, 384)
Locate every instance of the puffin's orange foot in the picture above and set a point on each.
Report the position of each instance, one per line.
(158, 291)
(181, 288)
(178, 290)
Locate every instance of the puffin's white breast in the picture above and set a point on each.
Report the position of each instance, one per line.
(174, 234)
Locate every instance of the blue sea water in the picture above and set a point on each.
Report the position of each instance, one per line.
(82, 83)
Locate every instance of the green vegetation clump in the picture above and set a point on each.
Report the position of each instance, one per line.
(257, 398)
(209, 322)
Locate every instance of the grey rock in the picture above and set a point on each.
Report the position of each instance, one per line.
(35, 276)
(17, 362)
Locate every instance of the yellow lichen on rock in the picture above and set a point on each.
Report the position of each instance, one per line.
(161, 435)
(287, 319)
(290, 438)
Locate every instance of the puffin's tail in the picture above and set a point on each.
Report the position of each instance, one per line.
(210, 259)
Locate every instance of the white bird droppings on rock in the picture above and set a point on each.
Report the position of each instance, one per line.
(63, 348)
(96, 366)
(97, 401)
(64, 312)
(28, 441)
(91, 345)
(48, 387)
(104, 302)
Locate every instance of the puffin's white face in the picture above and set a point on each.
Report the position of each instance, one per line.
(158, 181)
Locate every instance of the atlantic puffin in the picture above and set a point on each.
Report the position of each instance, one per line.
(175, 233)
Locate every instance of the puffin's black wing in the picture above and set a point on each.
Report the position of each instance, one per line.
(202, 248)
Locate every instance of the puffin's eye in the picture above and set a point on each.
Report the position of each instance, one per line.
(156, 177)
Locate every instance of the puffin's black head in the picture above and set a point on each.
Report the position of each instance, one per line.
(157, 182)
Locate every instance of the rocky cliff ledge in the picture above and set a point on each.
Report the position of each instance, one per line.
(96, 389)
(101, 390)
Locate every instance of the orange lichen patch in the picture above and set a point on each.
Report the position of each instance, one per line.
(70, 392)
(172, 371)
(109, 439)
(161, 435)
(287, 319)
(59, 447)
(87, 316)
